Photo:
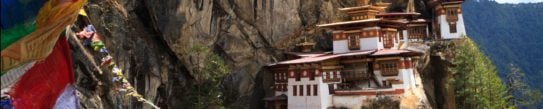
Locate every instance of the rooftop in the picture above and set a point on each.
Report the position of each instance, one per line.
(348, 22)
(310, 58)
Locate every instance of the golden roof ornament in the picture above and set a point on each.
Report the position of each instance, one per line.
(306, 45)
(410, 7)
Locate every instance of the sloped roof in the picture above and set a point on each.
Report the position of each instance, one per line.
(348, 22)
(275, 98)
(318, 58)
(325, 57)
(389, 52)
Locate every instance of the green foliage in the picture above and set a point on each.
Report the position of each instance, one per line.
(509, 34)
(476, 83)
(523, 95)
(383, 103)
(208, 72)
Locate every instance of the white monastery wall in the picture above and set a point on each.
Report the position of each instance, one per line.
(340, 46)
(370, 43)
(444, 26)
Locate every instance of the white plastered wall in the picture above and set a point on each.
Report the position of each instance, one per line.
(340, 46)
(444, 27)
(370, 43)
(321, 101)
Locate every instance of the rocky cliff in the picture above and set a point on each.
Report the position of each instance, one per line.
(150, 39)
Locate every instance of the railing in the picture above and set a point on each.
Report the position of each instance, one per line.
(354, 75)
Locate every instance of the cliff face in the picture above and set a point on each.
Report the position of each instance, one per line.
(150, 39)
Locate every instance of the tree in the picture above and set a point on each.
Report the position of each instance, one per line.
(523, 95)
(476, 82)
(208, 71)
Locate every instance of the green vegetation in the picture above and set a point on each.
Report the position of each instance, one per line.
(383, 103)
(524, 95)
(208, 72)
(476, 83)
(509, 34)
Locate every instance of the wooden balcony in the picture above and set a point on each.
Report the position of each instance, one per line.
(352, 75)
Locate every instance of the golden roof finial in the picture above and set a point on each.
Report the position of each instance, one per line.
(410, 7)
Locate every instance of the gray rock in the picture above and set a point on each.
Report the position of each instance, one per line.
(150, 39)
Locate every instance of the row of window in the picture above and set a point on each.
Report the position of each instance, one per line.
(280, 87)
(298, 90)
(298, 76)
(354, 41)
(330, 75)
(417, 32)
(280, 77)
(389, 68)
(388, 38)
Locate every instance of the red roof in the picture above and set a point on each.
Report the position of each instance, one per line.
(397, 14)
(325, 57)
(307, 54)
(389, 52)
(276, 98)
(318, 58)
(349, 22)
(309, 59)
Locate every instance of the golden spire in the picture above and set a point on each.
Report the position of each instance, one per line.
(410, 7)
(306, 45)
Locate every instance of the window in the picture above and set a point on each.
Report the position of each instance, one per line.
(452, 27)
(297, 76)
(389, 68)
(308, 87)
(326, 75)
(315, 90)
(418, 32)
(401, 35)
(354, 41)
(355, 72)
(452, 15)
(331, 88)
(275, 77)
(334, 75)
(301, 90)
(387, 84)
(388, 38)
(283, 76)
(312, 75)
(294, 90)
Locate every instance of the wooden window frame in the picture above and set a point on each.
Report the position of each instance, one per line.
(315, 90)
(298, 76)
(401, 35)
(308, 87)
(311, 75)
(452, 28)
(301, 90)
(389, 68)
(294, 90)
(451, 14)
(388, 39)
(327, 74)
(334, 75)
(353, 41)
(331, 89)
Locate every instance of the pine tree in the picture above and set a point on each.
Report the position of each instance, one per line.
(476, 82)
(523, 94)
(208, 72)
